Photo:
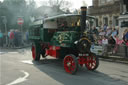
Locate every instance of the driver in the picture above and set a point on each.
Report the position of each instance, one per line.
(64, 26)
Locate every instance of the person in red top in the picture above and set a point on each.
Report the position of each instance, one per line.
(11, 39)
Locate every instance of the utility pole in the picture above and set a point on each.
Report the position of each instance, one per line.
(6, 32)
(20, 22)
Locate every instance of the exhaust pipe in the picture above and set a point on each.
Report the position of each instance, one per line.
(83, 19)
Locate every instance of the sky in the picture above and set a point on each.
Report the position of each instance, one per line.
(76, 4)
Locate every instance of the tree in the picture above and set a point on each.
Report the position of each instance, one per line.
(84, 3)
(17, 8)
(59, 4)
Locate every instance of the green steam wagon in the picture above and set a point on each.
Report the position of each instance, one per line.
(64, 37)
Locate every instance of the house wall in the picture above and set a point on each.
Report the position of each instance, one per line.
(103, 9)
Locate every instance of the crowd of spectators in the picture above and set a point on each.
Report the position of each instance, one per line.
(14, 38)
(108, 37)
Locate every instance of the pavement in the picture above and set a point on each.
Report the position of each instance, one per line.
(118, 59)
(18, 68)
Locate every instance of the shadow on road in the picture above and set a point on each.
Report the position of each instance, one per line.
(54, 68)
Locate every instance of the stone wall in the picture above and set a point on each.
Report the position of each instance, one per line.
(109, 11)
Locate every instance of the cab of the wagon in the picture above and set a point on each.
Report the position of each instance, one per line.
(64, 30)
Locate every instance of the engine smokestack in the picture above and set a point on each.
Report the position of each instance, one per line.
(83, 18)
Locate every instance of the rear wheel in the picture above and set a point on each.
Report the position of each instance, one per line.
(92, 62)
(35, 53)
(70, 64)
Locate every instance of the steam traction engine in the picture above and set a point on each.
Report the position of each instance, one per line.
(63, 37)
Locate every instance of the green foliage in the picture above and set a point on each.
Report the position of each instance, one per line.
(13, 9)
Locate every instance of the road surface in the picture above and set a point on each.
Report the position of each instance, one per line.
(17, 68)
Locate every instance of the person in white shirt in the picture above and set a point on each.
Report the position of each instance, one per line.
(104, 40)
(104, 44)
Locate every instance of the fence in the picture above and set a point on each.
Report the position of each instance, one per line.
(110, 50)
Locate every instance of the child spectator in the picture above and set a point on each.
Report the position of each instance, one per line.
(104, 40)
(100, 40)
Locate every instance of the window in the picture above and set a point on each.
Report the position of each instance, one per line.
(105, 20)
(97, 23)
(108, 0)
(116, 22)
(102, 2)
(124, 24)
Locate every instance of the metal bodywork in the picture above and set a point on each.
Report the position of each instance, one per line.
(63, 37)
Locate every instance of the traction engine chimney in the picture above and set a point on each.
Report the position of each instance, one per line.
(83, 18)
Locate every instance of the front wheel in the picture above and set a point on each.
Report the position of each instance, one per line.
(70, 64)
(35, 53)
(92, 62)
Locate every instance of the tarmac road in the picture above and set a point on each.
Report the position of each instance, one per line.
(17, 68)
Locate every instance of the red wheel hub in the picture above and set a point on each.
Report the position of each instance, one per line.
(69, 64)
(91, 62)
(33, 52)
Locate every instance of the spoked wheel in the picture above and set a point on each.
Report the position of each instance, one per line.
(35, 53)
(70, 64)
(92, 62)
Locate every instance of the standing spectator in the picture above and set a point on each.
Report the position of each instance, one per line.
(11, 38)
(125, 38)
(104, 40)
(8, 38)
(104, 43)
(114, 33)
(19, 37)
(1, 39)
(100, 40)
(118, 42)
(102, 33)
(108, 32)
(105, 27)
(111, 42)
(16, 38)
(27, 39)
(95, 31)
(117, 29)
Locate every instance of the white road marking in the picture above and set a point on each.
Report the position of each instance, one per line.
(27, 61)
(19, 80)
(8, 52)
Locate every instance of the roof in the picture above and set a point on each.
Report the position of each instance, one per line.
(40, 21)
(65, 15)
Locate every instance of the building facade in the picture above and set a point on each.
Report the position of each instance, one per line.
(106, 12)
